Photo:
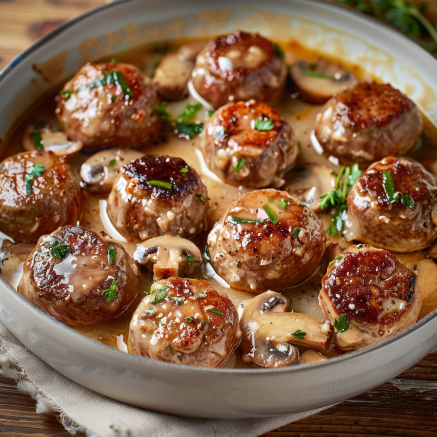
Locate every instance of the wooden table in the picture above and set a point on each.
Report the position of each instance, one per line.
(407, 407)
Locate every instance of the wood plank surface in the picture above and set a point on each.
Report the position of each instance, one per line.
(406, 408)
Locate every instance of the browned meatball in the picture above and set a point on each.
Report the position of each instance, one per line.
(368, 294)
(268, 239)
(393, 205)
(109, 105)
(38, 193)
(367, 123)
(249, 144)
(239, 66)
(158, 195)
(79, 277)
(184, 321)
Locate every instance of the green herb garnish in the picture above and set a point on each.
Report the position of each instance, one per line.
(200, 197)
(206, 253)
(189, 129)
(184, 170)
(59, 249)
(279, 50)
(158, 297)
(190, 258)
(264, 124)
(296, 232)
(157, 286)
(189, 319)
(298, 334)
(394, 196)
(205, 321)
(37, 140)
(189, 112)
(113, 99)
(36, 172)
(112, 253)
(302, 205)
(200, 295)
(210, 113)
(245, 220)
(283, 203)
(337, 258)
(112, 77)
(66, 94)
(239, 165)
(341, 323)
(273, 217)
(112, 162)
(179, 300)
(111, 292)
(160, 184)
(216, 312)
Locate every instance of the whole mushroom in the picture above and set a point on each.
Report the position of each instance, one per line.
(269, 331)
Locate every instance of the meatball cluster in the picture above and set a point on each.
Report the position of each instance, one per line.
(268, 239)
(239, 66)
(249, 144)
(109, 105)
(79, 276)
(368, 122)
(393, 205)
(38, 193)
(157, 195)
(368, 294)
(184, 321)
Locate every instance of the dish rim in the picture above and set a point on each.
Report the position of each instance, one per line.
(239, 371)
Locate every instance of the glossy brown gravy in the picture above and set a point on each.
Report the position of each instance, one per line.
(304, 297)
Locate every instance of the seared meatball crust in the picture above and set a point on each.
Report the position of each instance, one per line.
(32, 205)
(95, 108)
(240, 153)
(398, 225)
(184, 321)
(239, 66)
(368, 122)
(253, 253)
(79, 277)
(140, 208)
(377, 293)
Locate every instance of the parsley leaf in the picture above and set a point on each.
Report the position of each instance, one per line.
(298, 334)
(279, 50)
(189, 112)
(37, 140)
(190, 258)
(337, 258)
(341, 323)
(111, 292)
(59, 249)
(36, 172)
(158, 297)
(239, 165)
(263, 124)
(273, 217)
(112, 253)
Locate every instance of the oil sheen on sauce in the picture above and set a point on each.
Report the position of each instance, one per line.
(304, 297)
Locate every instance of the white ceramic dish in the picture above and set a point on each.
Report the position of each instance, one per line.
(200, 392)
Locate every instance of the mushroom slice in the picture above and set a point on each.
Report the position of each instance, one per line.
(40, 136)
(317, 82)
(171, 76)
(309, 183)
(169, 256)
(311, 356)
(100, 171)
(268, 329)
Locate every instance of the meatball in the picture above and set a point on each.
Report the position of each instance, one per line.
(79, 276)
(393, 205)
(367, 123)
(38, 193)
(239, 66)
(368, 294)
(109, 105)
(184, 321)
(268, 239)
(157, 195)
(249, 144)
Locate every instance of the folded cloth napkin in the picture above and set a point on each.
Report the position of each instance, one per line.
(82, 410)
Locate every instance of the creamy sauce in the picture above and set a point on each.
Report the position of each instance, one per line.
(303, 297)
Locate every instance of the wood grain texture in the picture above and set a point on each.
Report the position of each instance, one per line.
(408, 408)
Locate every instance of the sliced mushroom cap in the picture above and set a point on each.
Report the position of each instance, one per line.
(100, 171)
(40, 136)
(268, 330)
(309, 183)
(168, 256)
(311, 356)
(317, 82)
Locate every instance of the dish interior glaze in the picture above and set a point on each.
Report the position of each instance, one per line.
(301, 116)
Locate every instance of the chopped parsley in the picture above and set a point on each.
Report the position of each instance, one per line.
(157, 286)
(180, 356)
(59, 249)
(200, 197)
(210, 113)
(298, 334)
(245, 220)
(111, 292)
(215, 311)
(394, 196)
(273, 217)
(239, 165)
(279, 50)
(113, 99)
(283, 203)
(179, 300)
(341, 323)
(337, 258)
(189, 112)
(190, 258)
(206, 253)
(112, 77)
(205, 321)
(189, 319)
(160, 184)
(302, 205)
(112, 253)
(296, 232)
(37, 140)
(36, 172)
(158, 297)
(188, 129)
(200, 295)
(184, 170)
(264, 124)
(112, 162)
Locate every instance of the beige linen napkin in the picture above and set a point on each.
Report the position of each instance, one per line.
(84, 410)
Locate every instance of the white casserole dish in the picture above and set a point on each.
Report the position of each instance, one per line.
(190, 391)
